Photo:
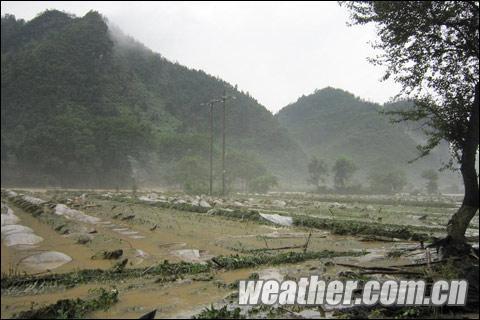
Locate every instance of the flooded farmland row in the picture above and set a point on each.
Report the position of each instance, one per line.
(133, 234)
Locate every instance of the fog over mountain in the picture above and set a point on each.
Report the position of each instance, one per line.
(101, 107)
(332, 122)
(276, 51)
(85, 105)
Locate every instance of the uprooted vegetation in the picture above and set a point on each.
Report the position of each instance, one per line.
(220, 313)
(237, 261)
(73, 308)
(363, 228)
(166, 270)
(72, 279)
(337, 226)
(449, 269)
(419, 201)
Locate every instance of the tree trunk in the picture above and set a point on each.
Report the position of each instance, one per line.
(459, 222)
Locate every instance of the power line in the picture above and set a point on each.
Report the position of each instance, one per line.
(211, 104)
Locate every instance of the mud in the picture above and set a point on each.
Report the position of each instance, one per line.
(159, 231)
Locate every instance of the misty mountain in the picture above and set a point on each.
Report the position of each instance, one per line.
(331, 123)
(84, 105)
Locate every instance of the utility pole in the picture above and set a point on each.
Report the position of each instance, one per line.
(224, 100)
(211, 148)
(211, 103)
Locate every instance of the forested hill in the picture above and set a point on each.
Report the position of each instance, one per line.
(331, 123)
(85, 106)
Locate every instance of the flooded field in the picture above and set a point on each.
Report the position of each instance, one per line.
(180, 255)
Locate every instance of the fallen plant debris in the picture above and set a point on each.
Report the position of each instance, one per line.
(238, 261)
(221, 313)
(108, 254)
(167, 269)
(98, 275)
(343, 227)
(73, 308)
(363, 228)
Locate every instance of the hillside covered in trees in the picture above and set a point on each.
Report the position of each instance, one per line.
(332, 123)
(85, 106)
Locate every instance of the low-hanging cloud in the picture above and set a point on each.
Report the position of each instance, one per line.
(275, 51)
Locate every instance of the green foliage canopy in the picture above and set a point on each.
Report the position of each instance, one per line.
(343, 169)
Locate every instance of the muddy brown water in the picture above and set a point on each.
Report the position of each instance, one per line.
(177, 230)
(52, 241)
(182, 298)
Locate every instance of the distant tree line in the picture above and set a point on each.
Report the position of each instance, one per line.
(244, 173)
(381, 181)
(86, 106)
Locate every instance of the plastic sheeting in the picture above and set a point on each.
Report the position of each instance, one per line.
(14, 228)
(192, 255)
(14, 234)
(11, 193)
(46, 260)
(7, 216)
(278, 219)
(33, 200)
(22, 239)
(72, 214)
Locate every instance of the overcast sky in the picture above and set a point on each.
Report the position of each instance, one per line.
(275, 51)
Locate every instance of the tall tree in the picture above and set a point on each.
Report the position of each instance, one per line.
(431, 49)
(243, 167)
(391, 181)
(343, 170)
(192, 173)
(263, 183)
(432, 180)
(317, 169)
